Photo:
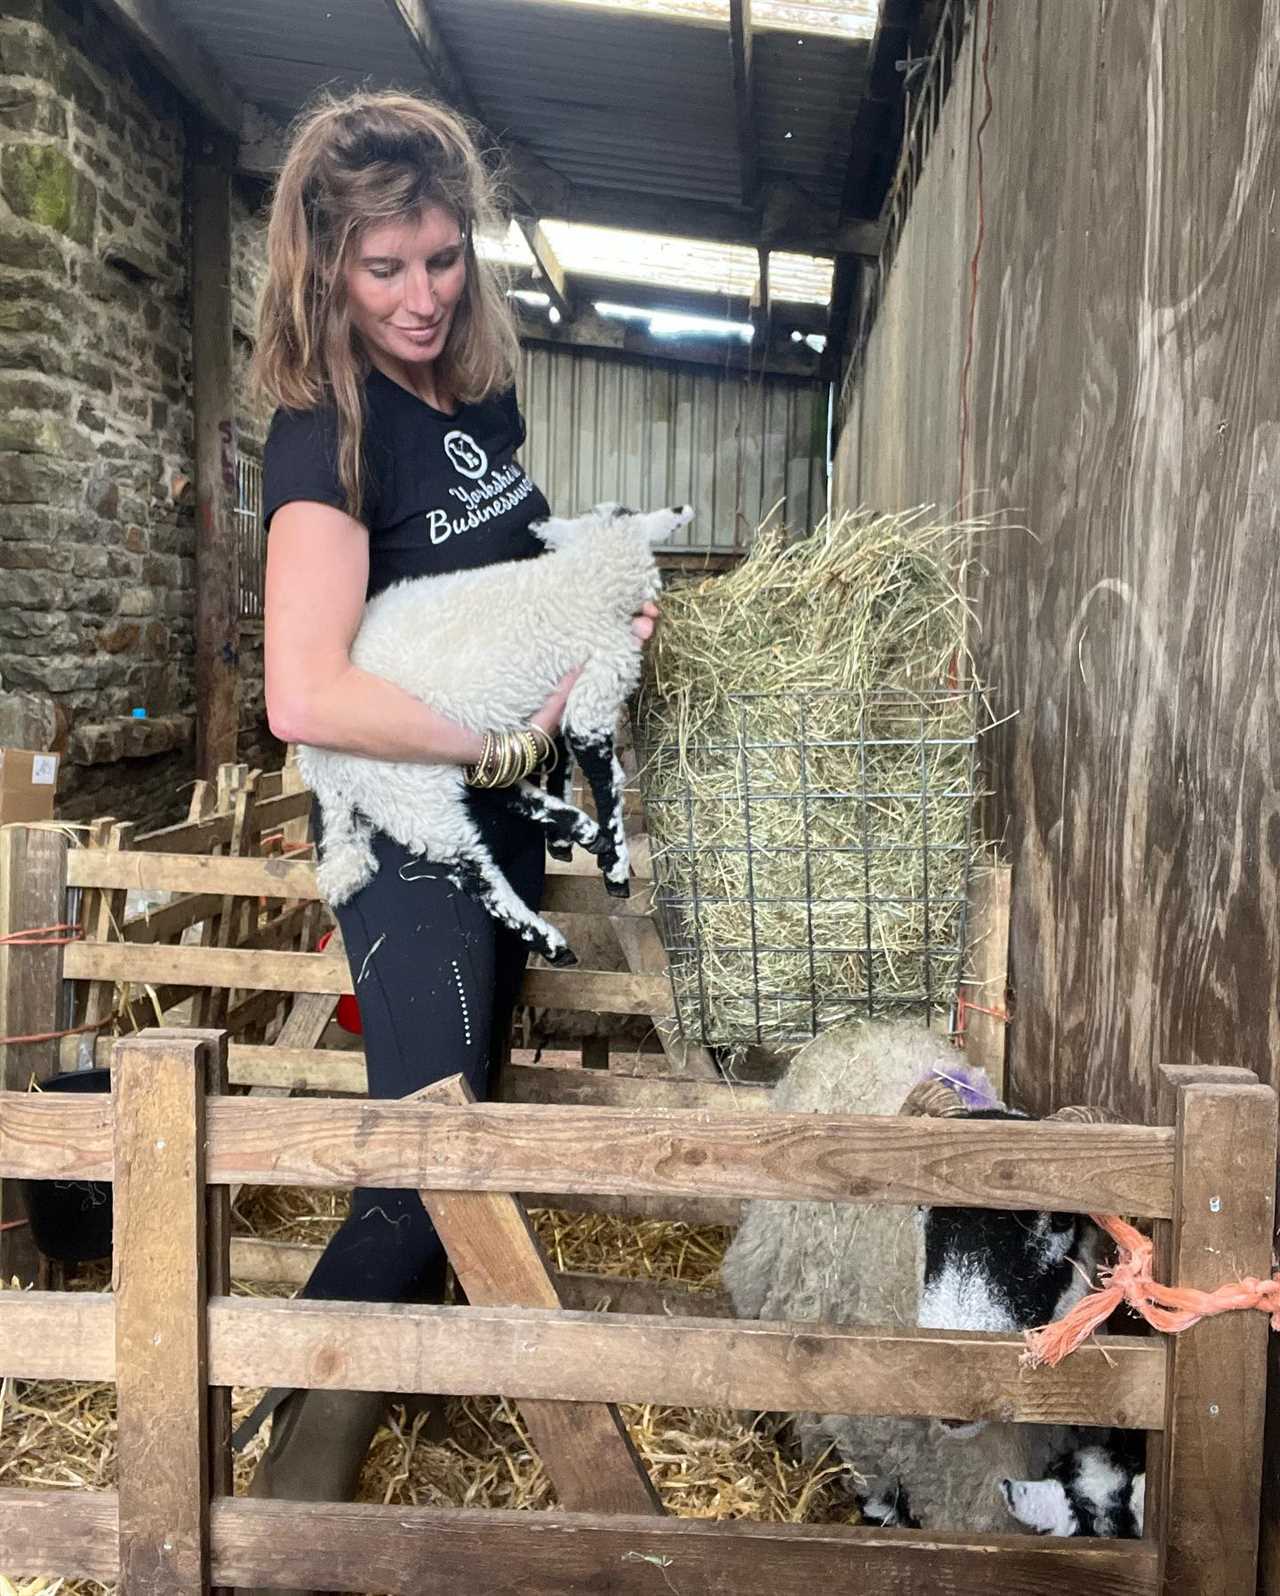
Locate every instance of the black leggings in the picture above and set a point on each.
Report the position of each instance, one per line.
(436, 979)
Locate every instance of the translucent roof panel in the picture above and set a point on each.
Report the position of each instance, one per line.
(845, 19)
(661, 262)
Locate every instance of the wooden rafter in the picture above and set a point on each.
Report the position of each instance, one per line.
(551, 274)
(744, 96)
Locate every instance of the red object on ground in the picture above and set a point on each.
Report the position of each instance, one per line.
(347, 1013)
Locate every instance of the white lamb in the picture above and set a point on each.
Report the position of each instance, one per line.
(846, 1263)
(486, 647)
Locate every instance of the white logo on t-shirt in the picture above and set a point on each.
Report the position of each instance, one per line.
(466, 454)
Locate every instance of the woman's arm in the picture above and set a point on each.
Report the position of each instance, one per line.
(317, 572)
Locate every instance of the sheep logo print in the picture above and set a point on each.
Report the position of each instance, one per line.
(466, 455)
(485, 495)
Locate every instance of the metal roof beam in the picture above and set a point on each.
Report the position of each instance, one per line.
(182, 59)
(791, 221)
(779, 357)
(541, 188)
(744, 96)
(551, 274)
(584, 289)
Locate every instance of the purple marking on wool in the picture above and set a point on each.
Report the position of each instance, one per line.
(973, 1087)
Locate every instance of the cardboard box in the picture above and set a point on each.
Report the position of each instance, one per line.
(28, 785)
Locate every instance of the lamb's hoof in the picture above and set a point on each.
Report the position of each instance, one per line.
(561, 958)
(561, 850)
(617, 889)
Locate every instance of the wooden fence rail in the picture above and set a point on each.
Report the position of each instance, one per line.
(169, 1340)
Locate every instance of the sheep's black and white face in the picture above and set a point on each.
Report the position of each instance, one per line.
(1097, 1490)
(992, 1269)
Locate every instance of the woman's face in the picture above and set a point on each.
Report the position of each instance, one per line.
(404, 282)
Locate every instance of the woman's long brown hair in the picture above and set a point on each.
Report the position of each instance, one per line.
(355, 163)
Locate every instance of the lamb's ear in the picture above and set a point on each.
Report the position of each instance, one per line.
(1041, 1505)
(660, 526)
(554, 531)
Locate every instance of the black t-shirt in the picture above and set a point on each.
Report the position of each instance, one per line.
(441, 493)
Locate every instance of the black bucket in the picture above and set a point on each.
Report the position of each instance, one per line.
(71, 1219)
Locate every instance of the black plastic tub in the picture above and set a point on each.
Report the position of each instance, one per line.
(71, 1219)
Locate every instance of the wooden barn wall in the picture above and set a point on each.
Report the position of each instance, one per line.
(652, 432)
(1125, 398)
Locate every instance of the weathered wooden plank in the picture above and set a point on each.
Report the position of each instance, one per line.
(57, 1335)
(574, 894)
(315, 1069)
(499, 1261)
(158, 1279)
(532, 1083)
(986, 987)
(185, 838)
(1222, 1230)
(170, 920)
(33, 865)
(185, 867)
(176, 870)
(643, 950)
(633, 1153)
(270, 813)
(583, 1357)
(47, 1534)
(217, 621)
(596, 991)
(442, 1552)
(599, 991)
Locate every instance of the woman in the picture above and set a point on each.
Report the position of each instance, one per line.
(389, 349)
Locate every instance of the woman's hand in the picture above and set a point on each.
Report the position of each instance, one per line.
(548, 717)
(642, 625)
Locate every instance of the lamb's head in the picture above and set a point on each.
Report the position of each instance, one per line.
(996, 1269)
(651, 527)
(1099, 1489)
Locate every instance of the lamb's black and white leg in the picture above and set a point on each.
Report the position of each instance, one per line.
(595, 753)
(475, 871)
(566, 822)
(559, 785)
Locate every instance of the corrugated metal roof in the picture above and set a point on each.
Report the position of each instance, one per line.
(280, 52)
(642, 101)
(610, 100)
(845, 19)
(611, 96)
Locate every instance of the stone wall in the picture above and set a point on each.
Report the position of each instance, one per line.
(97, 537)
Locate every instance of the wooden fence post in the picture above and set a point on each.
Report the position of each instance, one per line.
(159, 1280)
(33, 893)
(1224, 1199)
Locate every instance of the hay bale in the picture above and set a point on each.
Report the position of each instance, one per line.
(807, 725)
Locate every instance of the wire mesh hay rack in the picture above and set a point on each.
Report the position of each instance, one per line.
(814, 866)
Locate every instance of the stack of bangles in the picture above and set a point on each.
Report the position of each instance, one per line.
(507, 757)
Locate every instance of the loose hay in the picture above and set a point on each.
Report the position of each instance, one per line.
(704, 1463)
(807, 733)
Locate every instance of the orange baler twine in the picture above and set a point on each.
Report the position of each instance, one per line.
(47, 936)
(1129, 1279)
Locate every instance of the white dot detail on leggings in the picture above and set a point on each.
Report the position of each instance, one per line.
(462, 998)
